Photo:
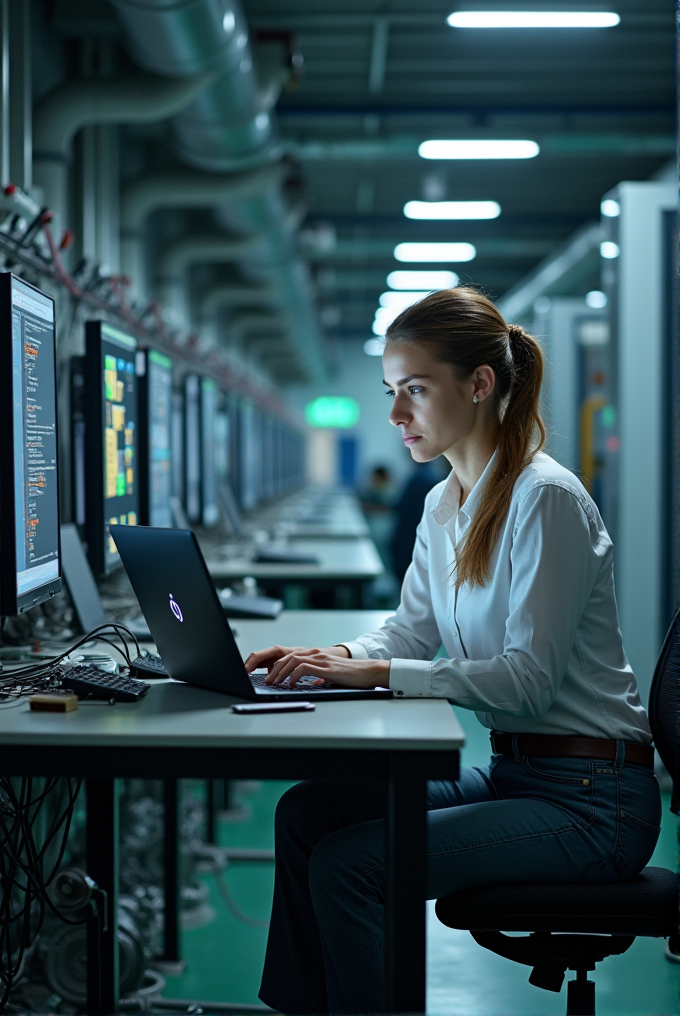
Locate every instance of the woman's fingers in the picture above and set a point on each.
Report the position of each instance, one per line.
(305, 670)
(284, 668)
(324, 666)
(280, 670)
(265, 657)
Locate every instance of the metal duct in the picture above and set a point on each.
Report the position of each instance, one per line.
(201, 248)
(189, 189)
(228, 127)
(62, 113)
(231, 295)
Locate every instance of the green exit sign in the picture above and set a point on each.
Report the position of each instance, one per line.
(332, 411)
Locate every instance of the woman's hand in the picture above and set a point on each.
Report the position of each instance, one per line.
(269, 657)
(330, 664)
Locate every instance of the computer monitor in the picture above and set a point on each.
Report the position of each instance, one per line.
(209, 404)
(234, 446)
(155, 372)
(30, 562)
(268, 486)
(80, 581)
(249, 456)
(78, 454)
(177, 471)
(111, 439)
(222, 444)
(192, 447)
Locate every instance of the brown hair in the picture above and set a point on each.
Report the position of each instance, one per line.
(463, 328)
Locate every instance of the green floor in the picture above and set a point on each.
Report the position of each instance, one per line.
(224, 958)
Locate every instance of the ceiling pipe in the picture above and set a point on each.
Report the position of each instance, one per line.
(241, 327)
(263, 350)
(228, 127)
(187, 189)
(61, 114)
(227, 295)
(210, 248)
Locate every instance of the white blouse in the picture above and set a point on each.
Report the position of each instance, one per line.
(538, 648)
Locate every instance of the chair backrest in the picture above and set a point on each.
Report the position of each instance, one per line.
(664, 707)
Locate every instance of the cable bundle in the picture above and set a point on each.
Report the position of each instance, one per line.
(25, 870)
(46, 675)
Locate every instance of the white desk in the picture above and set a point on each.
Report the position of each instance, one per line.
(348, 563)
(335, 515)
(307, 628)
(334, 529)
(182, 732)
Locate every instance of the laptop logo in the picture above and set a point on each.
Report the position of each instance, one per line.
(175, 608)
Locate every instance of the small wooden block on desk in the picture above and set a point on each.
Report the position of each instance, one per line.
(53, 702)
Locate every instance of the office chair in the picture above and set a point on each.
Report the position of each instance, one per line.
(575, 926)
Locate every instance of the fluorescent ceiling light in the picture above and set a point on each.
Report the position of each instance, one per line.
(380, 325)
(401, 300)
(609, 249)
(422, 280)
(478, 148)
(533, 19)
(452, 209)
(610, 208)
(596, 299)
(384, 316)
(434, 252)
(374, 347)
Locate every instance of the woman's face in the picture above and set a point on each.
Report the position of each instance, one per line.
(432, 408)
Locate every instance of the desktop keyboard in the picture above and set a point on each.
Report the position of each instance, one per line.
(149, 665)
(93, 683)
(262, 607)
(280, 555)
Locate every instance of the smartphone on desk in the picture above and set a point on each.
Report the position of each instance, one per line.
(274, 707)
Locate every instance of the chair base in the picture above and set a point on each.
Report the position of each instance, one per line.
(552, 955)
(581, 997)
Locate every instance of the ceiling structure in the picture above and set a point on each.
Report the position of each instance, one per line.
(381, 77)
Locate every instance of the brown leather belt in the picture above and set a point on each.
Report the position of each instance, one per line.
(549, 746)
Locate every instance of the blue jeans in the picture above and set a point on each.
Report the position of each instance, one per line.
(522, 819)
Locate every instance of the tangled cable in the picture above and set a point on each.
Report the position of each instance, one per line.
(45, 675)
(25, 866)
(35, 820)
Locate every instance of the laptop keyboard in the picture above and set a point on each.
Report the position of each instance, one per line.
(304, 684)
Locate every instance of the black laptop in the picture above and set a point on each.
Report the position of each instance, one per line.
(181, 606)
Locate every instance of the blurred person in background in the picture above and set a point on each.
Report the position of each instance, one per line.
(377, 499)
(408, 512)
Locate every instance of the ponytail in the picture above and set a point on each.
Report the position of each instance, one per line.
(516, 447)
(465, 329)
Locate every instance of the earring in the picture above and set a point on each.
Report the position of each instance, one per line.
(475, 399)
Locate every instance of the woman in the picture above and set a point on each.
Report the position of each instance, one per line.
(512, 571)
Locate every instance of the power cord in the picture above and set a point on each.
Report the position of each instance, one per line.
(22, 681)
(24, 867)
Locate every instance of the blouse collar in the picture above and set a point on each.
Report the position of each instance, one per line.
(447, 506)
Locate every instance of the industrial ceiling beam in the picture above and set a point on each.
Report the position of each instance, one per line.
(579, 255)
